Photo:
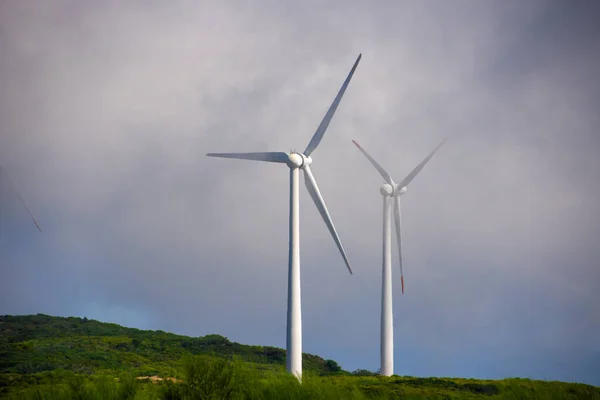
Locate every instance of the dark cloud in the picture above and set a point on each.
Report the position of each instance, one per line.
(107, 111)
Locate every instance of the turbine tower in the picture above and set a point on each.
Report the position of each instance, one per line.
(4, 175)
(296, 162)
(389, 190)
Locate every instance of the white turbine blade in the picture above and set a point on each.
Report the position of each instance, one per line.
(382, 171)
(399, 237)
(271, 156)
(419, 167)
(313, 189)
(316, 139)
(22, 200)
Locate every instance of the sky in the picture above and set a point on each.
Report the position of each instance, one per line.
(107, 110)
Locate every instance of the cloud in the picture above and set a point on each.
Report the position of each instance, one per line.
(107, 111)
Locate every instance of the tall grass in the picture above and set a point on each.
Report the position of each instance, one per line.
(210, 379)
(79, 388)
(203, 378)
(207, 378)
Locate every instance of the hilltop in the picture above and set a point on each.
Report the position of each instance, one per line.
(46, 357)
(38, 343)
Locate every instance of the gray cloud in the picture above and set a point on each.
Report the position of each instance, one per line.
(108, 109)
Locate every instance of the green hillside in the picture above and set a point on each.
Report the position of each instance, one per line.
(38, 343)
(45, 357)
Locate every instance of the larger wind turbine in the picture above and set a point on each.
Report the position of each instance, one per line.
(296, 162)
(5, 178)
(390, 190)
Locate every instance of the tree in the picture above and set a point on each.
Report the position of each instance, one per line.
(332, 366)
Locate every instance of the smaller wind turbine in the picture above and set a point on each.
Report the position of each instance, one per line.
(390, 190)
(4, 176)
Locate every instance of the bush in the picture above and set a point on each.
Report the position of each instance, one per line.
(213, 379)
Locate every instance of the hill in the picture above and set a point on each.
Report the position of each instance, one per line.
(37, 343)
(50, 357)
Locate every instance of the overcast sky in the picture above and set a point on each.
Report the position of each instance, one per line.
(107, 110)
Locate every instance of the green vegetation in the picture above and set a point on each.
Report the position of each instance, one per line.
(47, 358)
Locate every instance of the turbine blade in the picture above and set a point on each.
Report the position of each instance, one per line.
(21, 199)
(316, 139)
(272, 156)
(382, 171)
(419, 167)
(313, 189)
(399, 237)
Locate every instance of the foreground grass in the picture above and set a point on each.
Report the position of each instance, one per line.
(213, 378)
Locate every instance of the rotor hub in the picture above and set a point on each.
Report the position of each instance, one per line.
(294, 160)
(386, 189)
(298, 160)
(400, 191)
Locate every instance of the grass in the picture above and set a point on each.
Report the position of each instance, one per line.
(209, 378)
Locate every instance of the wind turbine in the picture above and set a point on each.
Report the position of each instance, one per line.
(4, 175)
(296, 162)
(390, 190)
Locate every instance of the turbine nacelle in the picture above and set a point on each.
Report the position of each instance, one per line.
(298, 160)
(386, 189)
(392, 191)
(400, 191)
